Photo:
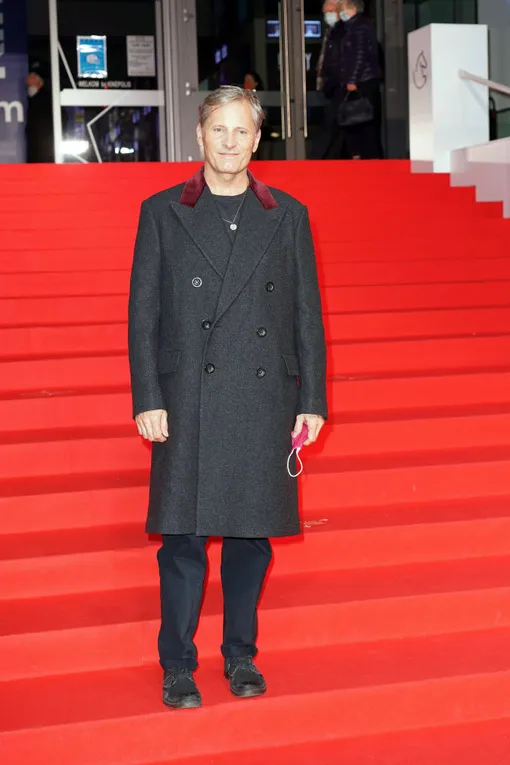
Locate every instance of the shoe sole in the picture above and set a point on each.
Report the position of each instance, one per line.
(249, 693)
(187, 703)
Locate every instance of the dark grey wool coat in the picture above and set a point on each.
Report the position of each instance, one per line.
(230, 341)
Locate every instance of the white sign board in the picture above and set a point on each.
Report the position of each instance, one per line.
(445, 111)
(141, 56)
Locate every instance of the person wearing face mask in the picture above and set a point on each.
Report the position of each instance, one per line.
(348, 64)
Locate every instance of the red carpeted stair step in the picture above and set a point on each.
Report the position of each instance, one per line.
(404, 486)
(65, 575)
(349, 360)
(70, 340)
(123, 236)
(66, 375)
(402, 576)
(151, 736)
(420, 356)
(32, 260)
(444, 202)
(409, 250)
(438, 745)
(438, 323)
(82, 339)
(56, 284)
(106, 647)
(350, 400)
(354, 446)
(415, 296)
(123, 693)
(401, 397)
(122, 495)
(27, 312)
(139, 603)
(109, 216)
(412, 272)
(116, 282)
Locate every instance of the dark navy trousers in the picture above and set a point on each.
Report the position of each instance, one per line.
(182, 563)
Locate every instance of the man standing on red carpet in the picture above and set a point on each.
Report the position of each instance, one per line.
(228, 359)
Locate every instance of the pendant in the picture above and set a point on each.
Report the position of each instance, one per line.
(233, 226)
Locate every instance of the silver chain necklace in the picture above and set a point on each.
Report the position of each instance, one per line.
(233, 224)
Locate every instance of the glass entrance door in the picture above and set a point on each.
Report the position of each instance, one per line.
(108, 95)
(273, 47)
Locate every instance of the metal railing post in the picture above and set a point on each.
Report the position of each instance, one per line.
(55, 81)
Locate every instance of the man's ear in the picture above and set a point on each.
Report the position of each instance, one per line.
(200, 140)
(257, 141)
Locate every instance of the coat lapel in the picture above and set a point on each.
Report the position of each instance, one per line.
(204, 225)
(257, 227)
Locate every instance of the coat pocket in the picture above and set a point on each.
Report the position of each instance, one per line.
(292, 363)
(168, 361)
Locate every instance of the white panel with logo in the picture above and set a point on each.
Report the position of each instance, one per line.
(446, 112)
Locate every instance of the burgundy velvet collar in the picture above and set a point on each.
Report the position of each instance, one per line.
(194, 187)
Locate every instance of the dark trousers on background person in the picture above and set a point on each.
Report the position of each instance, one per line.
(182, 563)
(363, 140)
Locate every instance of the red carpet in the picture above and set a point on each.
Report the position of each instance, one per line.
(385, 630)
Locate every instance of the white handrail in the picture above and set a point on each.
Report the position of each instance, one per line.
(489, 83)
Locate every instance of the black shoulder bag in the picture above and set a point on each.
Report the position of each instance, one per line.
(354, 111)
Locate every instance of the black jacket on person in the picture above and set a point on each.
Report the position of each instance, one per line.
(351, 55)
(217, 335)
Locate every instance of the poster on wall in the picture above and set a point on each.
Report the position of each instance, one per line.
(141, 55)
(92, 56)
(13, 75)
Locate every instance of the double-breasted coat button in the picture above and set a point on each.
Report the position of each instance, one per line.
(262, 332)
(209, 368)
(196, 281)
(206, 324)
(260, 372)
(270, 286)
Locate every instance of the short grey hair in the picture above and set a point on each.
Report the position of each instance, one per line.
(358, 4)
(227, 94)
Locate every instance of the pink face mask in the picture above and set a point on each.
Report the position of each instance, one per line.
(297, 444)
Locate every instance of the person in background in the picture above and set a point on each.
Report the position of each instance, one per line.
(348, 64)
(493, 120)
(39, 128)
(253, 81)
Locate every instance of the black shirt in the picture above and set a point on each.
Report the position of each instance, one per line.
(228, 208)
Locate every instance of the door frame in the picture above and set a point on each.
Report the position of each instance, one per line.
(108, 98)
(178, 96)
(182, 93)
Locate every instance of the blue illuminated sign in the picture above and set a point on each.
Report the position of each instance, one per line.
(92, 56)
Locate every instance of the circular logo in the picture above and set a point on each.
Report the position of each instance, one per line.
(196, 281)
(421, 71)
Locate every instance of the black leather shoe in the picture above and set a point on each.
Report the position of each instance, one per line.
(180, 690)
(244, 678)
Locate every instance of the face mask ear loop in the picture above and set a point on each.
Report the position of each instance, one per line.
(298, 459)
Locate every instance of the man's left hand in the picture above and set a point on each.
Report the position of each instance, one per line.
(314, 423)
(351, 87)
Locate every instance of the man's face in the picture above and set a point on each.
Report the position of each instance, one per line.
(330, 6)
(346, 5)
(229, 138)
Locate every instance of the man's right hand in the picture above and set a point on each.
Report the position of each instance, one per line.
(153, 425)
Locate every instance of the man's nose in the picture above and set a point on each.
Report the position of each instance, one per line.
(230, 140)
